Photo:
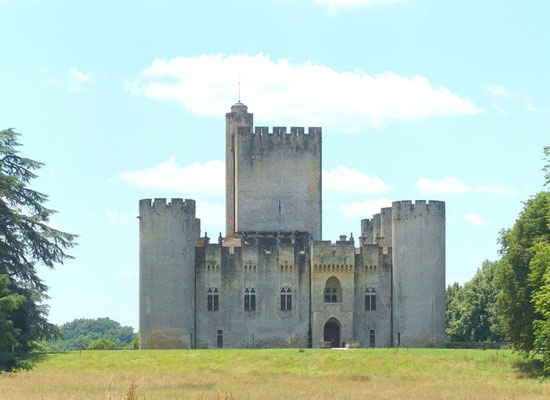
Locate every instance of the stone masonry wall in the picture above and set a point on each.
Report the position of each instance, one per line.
(278, 180)
(372, 271)
(166, 273)
(332, 260)
(419, 273)
(266, 268)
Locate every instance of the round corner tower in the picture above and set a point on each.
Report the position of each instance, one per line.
(418, 258)
(166, 274)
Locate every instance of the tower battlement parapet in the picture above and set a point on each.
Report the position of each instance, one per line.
(327, 256)
(160, 203)
(420, 208)
(281, 131)
(271, 143)
(371, 229)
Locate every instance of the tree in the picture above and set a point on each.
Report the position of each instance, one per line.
(26, 239)
(9, 302)
(134, 344)
(524, 275)
(546, 167)
(473, 314)
(518, 278)
(540, 267)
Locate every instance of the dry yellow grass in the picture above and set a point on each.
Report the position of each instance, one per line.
(278, 374)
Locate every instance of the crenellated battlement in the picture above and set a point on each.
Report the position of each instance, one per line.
(281, 133)
(160, 203)
(377, 230)
(420, 208)
(330, 257)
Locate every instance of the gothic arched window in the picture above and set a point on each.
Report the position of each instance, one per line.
(333, 290)
(370, 299)
(213, 299)
(286, 299)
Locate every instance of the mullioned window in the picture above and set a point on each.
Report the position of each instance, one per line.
(250, 299)
(286, 299)
(213, 299)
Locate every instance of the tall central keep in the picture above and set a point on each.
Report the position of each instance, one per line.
(273, 179)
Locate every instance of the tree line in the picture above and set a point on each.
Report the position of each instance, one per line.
(509, 299)
(93, 334)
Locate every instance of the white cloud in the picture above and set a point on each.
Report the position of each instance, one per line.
(204, 178)
(498, 91)
(77, 79)
(212, 215)
(192, 181)
(334, 5)
(349, 180)
(452, 185)
(364, 209)
(299, 93)
(475, 219)
(531, 108)
(500, 109)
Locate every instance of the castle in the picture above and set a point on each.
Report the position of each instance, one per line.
(272, 281)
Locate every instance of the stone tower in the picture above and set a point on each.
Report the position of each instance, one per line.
(418, 241)
(273, 180)
(239, 117)
(166, 274)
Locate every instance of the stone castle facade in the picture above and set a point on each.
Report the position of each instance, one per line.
(272, 281)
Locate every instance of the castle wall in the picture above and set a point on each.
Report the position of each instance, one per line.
(166, 273)
(332, 260)
(266, 269)
(419, 273)
(372, 271)
(367, 231)
(385, 239)
(378, 229)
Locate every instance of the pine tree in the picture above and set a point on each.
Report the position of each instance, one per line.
(26, 240)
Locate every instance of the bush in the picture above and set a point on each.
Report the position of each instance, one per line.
(101, 344)
(133, 345)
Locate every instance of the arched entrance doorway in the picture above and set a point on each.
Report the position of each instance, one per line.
(332, 332)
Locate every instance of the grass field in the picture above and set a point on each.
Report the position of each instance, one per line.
(280, 374)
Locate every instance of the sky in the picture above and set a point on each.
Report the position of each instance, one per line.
(418, 99)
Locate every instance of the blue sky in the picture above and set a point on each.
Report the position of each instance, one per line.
(418, 99)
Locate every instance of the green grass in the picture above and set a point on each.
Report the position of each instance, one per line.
(280, 373)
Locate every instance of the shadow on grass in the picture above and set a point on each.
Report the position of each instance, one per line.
(531, 369)
(10, 362)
